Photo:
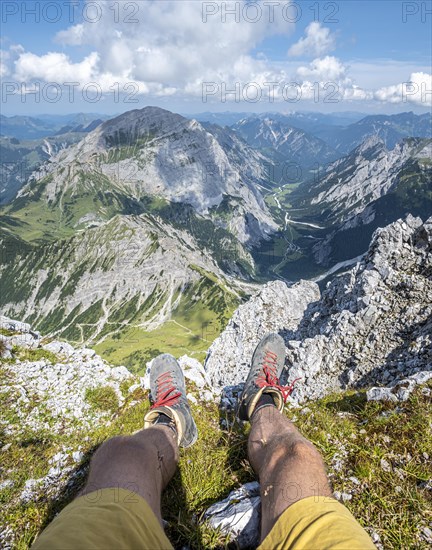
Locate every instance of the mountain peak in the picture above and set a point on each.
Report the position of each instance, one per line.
(152, 151)
(373, 142)
(132, 125)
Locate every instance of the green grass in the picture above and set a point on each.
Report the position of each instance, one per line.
(6, 332)
(190, 331)
(393, 504)
(39, 354)
(202, 313)
(103, 398)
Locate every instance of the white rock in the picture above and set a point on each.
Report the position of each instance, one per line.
(14, 326)
(7, 484)
(427, 534)
(59, 348)
(24, 340)
(385, 465)
(380, 394)
(238, 515)
(119, 373)
(344, 497)
(191, 398)
(275, 307)
(77, 456)
(194, 371)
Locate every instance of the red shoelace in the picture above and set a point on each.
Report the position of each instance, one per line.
(268, 376)
(164, 391)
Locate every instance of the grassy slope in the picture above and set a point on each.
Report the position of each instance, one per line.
(193, 326)
(392, 503)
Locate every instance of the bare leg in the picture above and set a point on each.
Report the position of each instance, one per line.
(288, 465)
(143, 463)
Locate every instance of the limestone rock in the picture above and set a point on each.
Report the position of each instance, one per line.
(276, 307)
(238, 515)
(371, 327)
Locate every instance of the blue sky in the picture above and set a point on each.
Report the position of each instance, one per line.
(367, 56)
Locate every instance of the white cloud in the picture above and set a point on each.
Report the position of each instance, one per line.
(326, 80)
(328, 68)
(318, 41)
(173, 50)
(417, 89)
(8, 58)
(55, 67)
(73, 36)
(175, 46)
(4, 58)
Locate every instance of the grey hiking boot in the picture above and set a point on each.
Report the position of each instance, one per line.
(267, 364)
(168, 390)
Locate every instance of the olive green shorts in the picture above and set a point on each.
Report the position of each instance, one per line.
(117, 519)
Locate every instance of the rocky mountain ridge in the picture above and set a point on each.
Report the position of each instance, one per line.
(367, 189)
(371, 325)
(291, 144)
(354, 181)
(117, 280)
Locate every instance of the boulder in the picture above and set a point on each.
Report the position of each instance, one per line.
(238, 515)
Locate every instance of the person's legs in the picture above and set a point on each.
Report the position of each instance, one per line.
(288, 465)
(291, 471)
(120, 504)
(145, 462)
(142, 463)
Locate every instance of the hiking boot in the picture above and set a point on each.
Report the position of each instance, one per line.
(268, 362)
(168, 390)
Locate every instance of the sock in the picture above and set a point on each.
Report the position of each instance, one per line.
(265, 400)
(165, 419)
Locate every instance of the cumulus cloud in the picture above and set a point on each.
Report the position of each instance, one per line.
(175, 48)
(164, 48)
(172, 46)
(4, 58)
(317, 42)
(326, 80)
(328, 68)
(417, 89)
(51, 66)
(8, 58)
(73, 36)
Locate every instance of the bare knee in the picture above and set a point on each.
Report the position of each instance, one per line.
(302, 449)
(117, 447)
(149, 444)
(286, 447)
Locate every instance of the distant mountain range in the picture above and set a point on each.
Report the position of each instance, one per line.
(326, 135)
(26, 128)
(26, 143)
(390, 128)
(304, 120)
(285, 143)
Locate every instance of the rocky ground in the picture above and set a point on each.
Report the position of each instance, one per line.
(368, 333)
(371, 326)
